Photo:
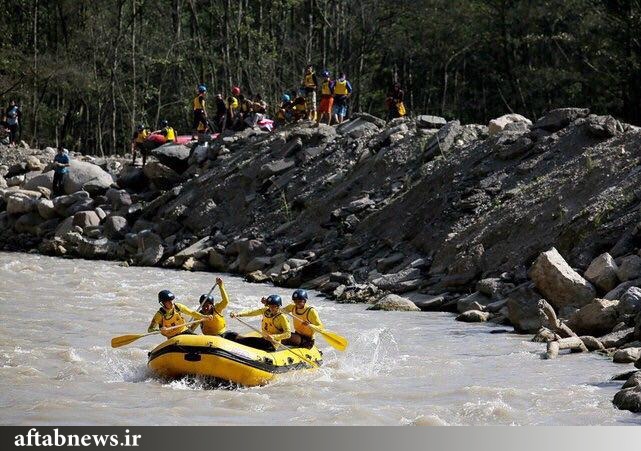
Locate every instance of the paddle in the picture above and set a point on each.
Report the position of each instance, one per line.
(333, 339)
(117, 342)
(193, 328)
(277, 343)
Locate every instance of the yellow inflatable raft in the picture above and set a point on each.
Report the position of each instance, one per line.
(213, 356)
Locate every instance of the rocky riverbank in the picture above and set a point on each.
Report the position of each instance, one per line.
(533, 225)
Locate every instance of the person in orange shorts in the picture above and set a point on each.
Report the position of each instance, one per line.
(327, 98)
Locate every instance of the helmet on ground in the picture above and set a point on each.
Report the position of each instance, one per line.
(206, 298)
(164, 123)
(274, 299)
(235, 90)
(299, 295)
(286, 98)
(325, 73)
(165, 295)
(202, 88)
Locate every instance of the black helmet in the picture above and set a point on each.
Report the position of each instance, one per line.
(140, 127)
(165, 295)
(206, 298)
(164, 123)
(299, 295)
(274, 299)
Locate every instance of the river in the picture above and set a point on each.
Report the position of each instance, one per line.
(57, 367)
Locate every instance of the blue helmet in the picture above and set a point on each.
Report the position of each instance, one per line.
(274, 299)
(325, 73)
(202, 88)
(165, 295)
(206, 298)
(299, 295)
(286, 98)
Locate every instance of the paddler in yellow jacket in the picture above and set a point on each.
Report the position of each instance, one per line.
(170, 315)
(208, 306)
(304, 315)
(274, 327)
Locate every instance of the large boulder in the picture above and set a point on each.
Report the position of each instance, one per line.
(523, 310)
(603, 126)
(64, 227)
(44, 180)
(628, 399)
(560, 118)
(162, 176)
(90, 248)
(630, 302)
(430, 122)
(150, 248)
(132, 178)
(602, 272)
(630, 268)
(498, 125)
(86, 177)
(357, 128)
(45, 208)
(199, 250)
(626, 355)
(34, 164)
(21, 201)
(393, 302)
(118, 198)
(115, 227)
(596, 318)
(559, 283)
(408, 279)
(84, 219)
(175, 156)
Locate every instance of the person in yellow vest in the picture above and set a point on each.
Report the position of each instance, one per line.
(275, 327)
(304, 315)
(208, 306)
(395, 102)
(299, 106)
(342, 91)
(310, 85)
(200, 111)
(168, 132)
(327, 98)
(138, 143)
(170, 315)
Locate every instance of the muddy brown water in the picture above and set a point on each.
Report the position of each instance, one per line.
(57, 367)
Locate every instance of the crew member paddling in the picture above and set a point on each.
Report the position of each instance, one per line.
(304, 315)
(275, 326)
(170, 315)
(208, 306)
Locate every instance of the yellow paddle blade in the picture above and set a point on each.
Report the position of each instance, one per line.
(117, 342)
(334, 340)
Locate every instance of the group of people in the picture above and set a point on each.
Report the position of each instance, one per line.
(144, 141)
(301, 104)
(275, 326)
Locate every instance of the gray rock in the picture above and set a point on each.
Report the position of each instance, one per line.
(29, 223)
(393, 302)
(523, 309)
(559, 283)
(150, 248)
(115, 227)
(198, 250)
(44, 180)
(387, 263)
(174, 156)
(630, 302)
(394, 282)
(91, 248)
(217, 260)
(592, 343)
(560, 118)
(86, 219)
(475, 301)
(627, 355)
(64, 227)
(258, 264)
(275, 168)
(617, 339)
(473, 316)
(495, 288)
(620, 289)
(633, 381)
(596, 318)
(430, 122)
(132, 178)
(88, 177)
(499, 124)
(628, 399)
(45, 208)
(21, 201)
(630, 268)
(603, 126)
(443, 140)
(357, 128)
(602, 272)
(118, 198)
(161, 176)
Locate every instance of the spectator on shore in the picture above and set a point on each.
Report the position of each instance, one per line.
(12, 118)
(61, 164)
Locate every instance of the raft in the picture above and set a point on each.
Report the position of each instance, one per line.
(226, 360)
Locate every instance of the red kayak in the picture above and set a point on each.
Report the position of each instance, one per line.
(181, 139)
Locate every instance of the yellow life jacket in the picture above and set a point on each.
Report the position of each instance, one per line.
(299, 107)
(269, 326)
(246, 106)
(303, 316)
(233, 105)
(175, 320)
(170, 134)
(309, 81)
(400, 106)
(141, 136)
(340, 88)
(199, 103)
(325, 89)
(214, 326)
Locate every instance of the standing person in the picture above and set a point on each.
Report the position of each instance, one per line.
(233, 107)
(169, 315)
(138, 143)
(303, 317)
(221, 112)
(61, 165)
(274, 325)
(342, 91)
(310, 85)
(299, 106)
(394, 101)
(327, 98)
(12, 117)
(200, 111)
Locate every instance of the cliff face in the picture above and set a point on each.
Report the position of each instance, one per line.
(410, 205)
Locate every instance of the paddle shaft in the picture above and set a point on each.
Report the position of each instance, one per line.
(122, 340)
(277, 343)
(335, 340)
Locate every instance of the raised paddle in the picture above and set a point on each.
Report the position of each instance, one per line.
(333, 339)
(277, 343)
(117, 342)
(193, 328)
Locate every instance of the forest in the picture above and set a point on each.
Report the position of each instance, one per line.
(86, 72)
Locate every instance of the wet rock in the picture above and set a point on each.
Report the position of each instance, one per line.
(627, 355)
(630, 302)
(91, 248)
(161, 176)
(592, 343)
(86, 219)
(150, 248)
(115, 227)
(400, 282)
(602, 272)
(257, 277)
(634, 380)
(473, 316)
(392, 302)
(258, 264)
(630, 268)
(174, 156)
(523, 309)
(560, 118)
(498, 125)
(617, 339)
(596, 318)
(475, 301)
(88, 177)
(558, 282)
